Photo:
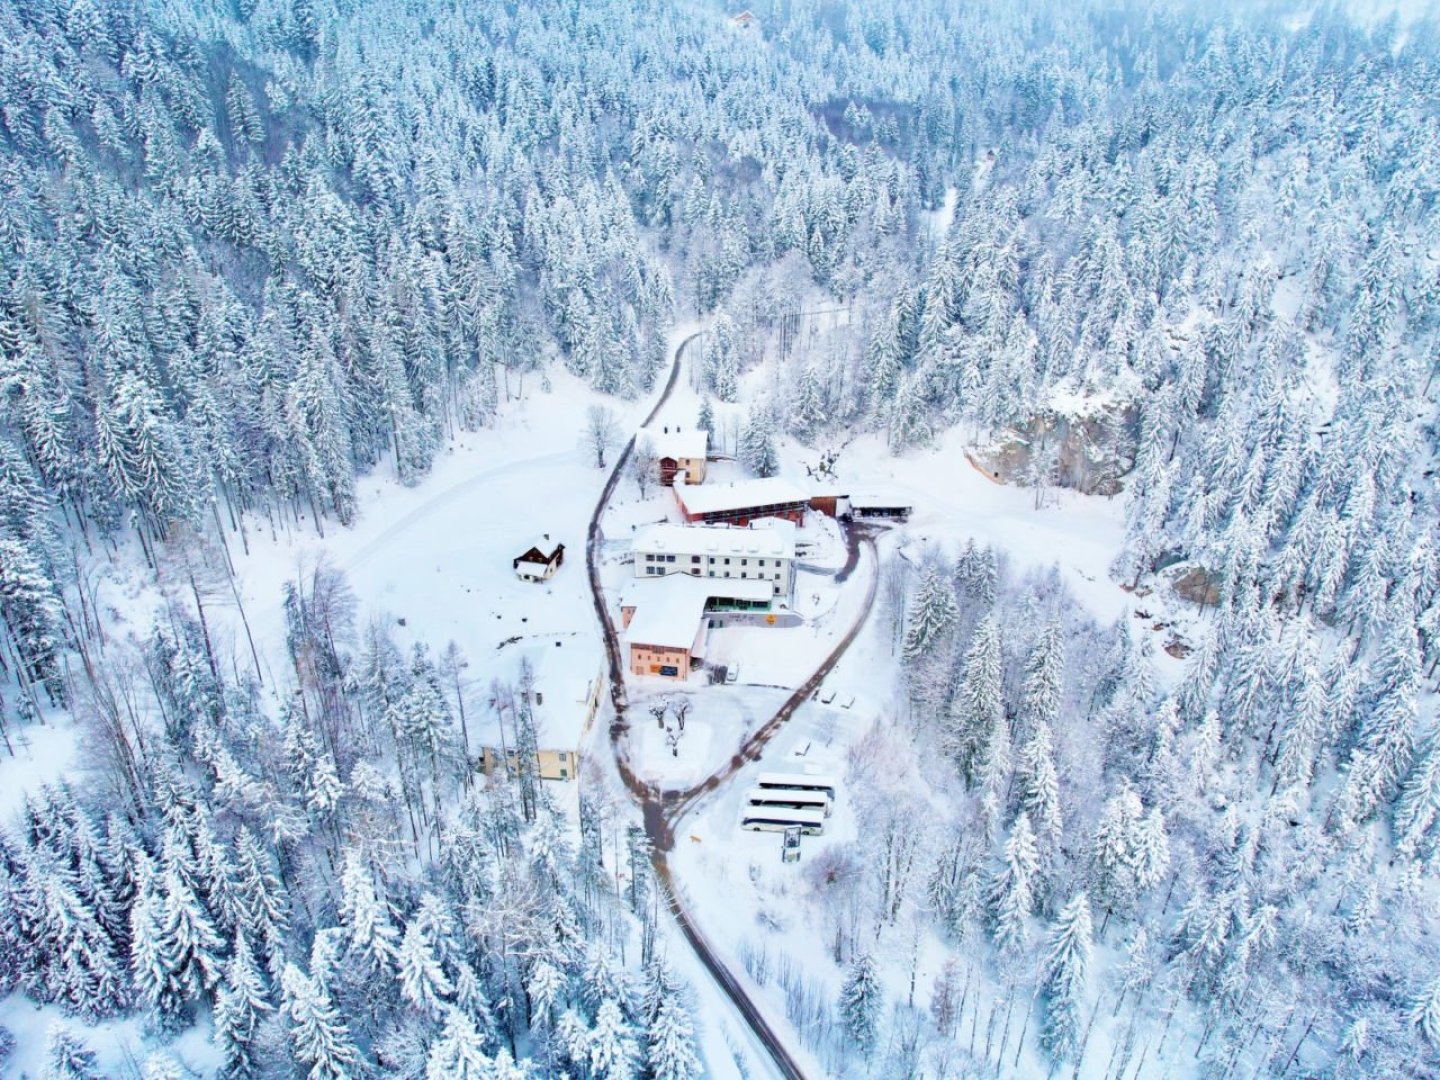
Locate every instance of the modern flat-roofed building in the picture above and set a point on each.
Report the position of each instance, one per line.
(764, 551)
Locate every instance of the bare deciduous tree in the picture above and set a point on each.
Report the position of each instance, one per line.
(644, 466)
(680, 706)
(601, 432)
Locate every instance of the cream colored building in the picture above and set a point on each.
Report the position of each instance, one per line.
(679, 452)
(763, 551)
(567, 679)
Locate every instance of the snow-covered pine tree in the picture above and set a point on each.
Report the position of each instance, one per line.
(932, 614)
(66, 1057)
(612, 1051)
(365, 914)
(423, 981)
(757, 444)
(706, 421)
(978, 709)
(670, 1043)
(319, 1036)
(239, 1008)
(1012, 891)
(861, 1004)
(458, 1052)
(1064, 975)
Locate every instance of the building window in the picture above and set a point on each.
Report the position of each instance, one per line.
(744, 562)
(694, 558)
(727, 563)
(712, 560)
(669, 558)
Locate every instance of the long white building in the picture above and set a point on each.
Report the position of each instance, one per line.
(765, 551)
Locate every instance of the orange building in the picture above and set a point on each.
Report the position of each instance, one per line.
(667, 622)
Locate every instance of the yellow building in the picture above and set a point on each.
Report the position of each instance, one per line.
(679, 452)
(560, 681)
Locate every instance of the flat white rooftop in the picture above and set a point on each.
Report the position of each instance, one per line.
(768, 537)
(718, 498)
(668, 610)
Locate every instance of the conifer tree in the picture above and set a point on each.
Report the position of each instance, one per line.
(757, 445)
(1012, 891)
(366, 916)
(458, 1053)
(319, 1036)
(239, 1008)
(613, 1054)
(932, 614)
(1066, 969)
(66, 1057)
(671, 1043)
(978, 709)
(423, 981)
(862, 999)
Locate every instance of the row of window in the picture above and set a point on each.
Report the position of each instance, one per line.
(695, 560)
(695, 572)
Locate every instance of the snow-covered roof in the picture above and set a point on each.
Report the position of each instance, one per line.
(668, 610)
(769, 537)
(871, 499)
(718, 498)
(677, 444)
(566, 668)
(544, 545)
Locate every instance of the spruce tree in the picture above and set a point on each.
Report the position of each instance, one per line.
(1012, 891)
(458, 1052)
(66, 1057)
(862, 999)
(1066, 969)
(319, 1036)
(613, 1054)
(671, 1051)
(239, 1008)
(932, 614)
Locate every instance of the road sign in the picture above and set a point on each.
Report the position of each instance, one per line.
(790, 846)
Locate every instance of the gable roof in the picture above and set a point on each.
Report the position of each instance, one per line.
(565, 668)
(719, 498)
(768, 537)
(677, 444)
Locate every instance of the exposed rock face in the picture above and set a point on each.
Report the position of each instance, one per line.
(1197, 585)
(1090, 454)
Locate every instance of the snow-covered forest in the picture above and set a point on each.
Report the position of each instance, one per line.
(256, 254)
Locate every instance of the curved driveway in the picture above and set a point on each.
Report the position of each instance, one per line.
(662, 812)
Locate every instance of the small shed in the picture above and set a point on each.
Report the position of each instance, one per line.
(746, 20)
(535, 564)
(884, 507)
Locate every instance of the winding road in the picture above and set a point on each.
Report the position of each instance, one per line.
(662, 811)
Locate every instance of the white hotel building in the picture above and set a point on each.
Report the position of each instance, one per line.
(765, 551)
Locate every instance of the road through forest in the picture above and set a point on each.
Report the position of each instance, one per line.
(661, 812)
